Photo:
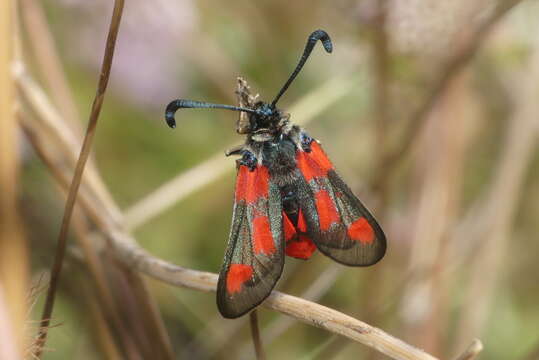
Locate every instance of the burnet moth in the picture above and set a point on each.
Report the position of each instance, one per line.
(288, 201)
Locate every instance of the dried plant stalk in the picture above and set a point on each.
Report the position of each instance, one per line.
(45, 53)
(255, 334)
(48, 145)
(303, 310)
(13, 252)
(73, 190)
(51, 69)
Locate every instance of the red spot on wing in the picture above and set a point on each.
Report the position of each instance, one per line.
(327, 213)
(289, 230)
(302, 226)
(320, 156)
(302, 248)
(313, 164)
(360, 230)
(309, 169)
(299, 246)
(237, 275)
(257, 184)
(241, 182)
(262, 236)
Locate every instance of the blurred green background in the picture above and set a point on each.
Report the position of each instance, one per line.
(460, 206)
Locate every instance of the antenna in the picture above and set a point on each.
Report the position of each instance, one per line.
(311, 42)
(173, 106)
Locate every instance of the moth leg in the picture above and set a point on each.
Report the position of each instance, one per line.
(236, 150)
(248, 159)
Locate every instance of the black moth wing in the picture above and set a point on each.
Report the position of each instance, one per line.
(254, 258)
(338, 223)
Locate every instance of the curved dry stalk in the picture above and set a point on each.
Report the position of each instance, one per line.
(73, 190)
(303, 310)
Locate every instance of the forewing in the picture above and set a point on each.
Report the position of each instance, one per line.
(254, 257)
(339, 224)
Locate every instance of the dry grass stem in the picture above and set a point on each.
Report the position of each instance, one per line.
(150, 313)
(60, 135)
(255, 335)
(303, 310)
(104, 294)
(73, 190)
(13, 252)
(46, 55)
(47, 148)
(51, 69)
(103, 331)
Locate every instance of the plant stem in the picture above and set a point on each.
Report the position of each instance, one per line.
(255, 333)
(81, 162)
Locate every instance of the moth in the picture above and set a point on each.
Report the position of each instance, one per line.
(288, 200)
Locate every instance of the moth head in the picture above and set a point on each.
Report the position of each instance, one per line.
(261, 116)
(266, 118)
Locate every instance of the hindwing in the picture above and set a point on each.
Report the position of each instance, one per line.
(337, 222)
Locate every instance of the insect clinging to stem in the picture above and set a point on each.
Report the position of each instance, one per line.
(288, 200)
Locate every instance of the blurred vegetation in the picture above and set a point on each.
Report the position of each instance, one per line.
(437, 208)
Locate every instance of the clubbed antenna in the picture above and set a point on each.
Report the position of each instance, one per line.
(311, 42)
(173, 106)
